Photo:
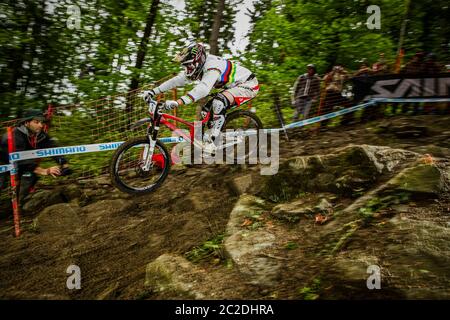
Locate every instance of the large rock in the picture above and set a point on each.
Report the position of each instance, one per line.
(348, 171)
(71, 192)
(60, 218)
(241, 185)
(353, 267)
(411, 251)
(293, 211)
(42, 199)
(423, 179)
(176, 275)
(248, 248)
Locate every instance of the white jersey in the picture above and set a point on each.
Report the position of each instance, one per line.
(217, 73)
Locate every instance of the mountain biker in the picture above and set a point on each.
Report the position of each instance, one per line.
(239, 84)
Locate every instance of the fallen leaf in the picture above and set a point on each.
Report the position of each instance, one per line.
(320, 219)
(428, 159)
(247, 222)
(269, 224)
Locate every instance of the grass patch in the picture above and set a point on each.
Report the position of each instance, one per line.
(291, 245)
(349, 229)
(210, 250)
(282, 195)
(311, 292)
(377, 204)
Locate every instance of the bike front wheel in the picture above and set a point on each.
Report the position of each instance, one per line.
(126, 168)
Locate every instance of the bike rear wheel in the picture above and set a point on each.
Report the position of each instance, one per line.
(245, 122)
(126, 170)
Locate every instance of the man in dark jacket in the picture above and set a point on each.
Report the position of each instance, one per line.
(28, 135)
(306, 92)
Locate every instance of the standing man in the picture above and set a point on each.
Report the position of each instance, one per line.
(28, 135)
(334, 85)
(306, 92)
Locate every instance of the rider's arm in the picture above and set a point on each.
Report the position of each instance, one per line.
(202, 89)
(177, 81)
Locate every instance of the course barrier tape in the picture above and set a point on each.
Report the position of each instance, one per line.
(406, 100)
(5, 168)
(59, 151)
(329, 115)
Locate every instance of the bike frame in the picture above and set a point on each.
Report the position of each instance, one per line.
(159, 118)
(190, 138)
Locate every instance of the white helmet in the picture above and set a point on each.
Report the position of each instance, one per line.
(193, 58)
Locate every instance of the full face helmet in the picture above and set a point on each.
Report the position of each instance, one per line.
(192, 58)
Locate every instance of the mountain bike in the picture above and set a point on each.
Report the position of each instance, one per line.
(140, 165)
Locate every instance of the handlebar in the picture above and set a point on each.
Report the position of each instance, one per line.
(154, 106)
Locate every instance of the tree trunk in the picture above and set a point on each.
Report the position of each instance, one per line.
(403, 27)
(142, 50)
(215, 32)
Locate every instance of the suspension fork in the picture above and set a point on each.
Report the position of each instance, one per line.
(152, 137)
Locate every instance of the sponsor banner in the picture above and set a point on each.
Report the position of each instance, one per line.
(5, 168)
(399, 86)
(63, 151)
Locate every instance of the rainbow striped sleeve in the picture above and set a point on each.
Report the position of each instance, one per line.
(230, 72)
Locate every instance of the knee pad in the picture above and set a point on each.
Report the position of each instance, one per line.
(220, 104)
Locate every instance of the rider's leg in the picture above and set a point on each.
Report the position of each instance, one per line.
(220, 105)
(228, 98)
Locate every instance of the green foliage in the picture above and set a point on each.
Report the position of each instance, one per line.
(378, 204)
(291, 245)
(43, 61)
(209, 250)
(311, 292)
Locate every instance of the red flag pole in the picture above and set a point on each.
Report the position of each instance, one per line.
(13, 182)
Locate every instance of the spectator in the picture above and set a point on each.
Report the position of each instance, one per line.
(372, 112)
(431, 65)
(334, 84)
(28, 135)
(306, 92)
(364, 70)
(415, 65)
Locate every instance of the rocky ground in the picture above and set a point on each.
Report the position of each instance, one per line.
(366, 196)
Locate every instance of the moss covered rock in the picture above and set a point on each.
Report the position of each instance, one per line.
(177, 275)
(423, 179)
(348, 171)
